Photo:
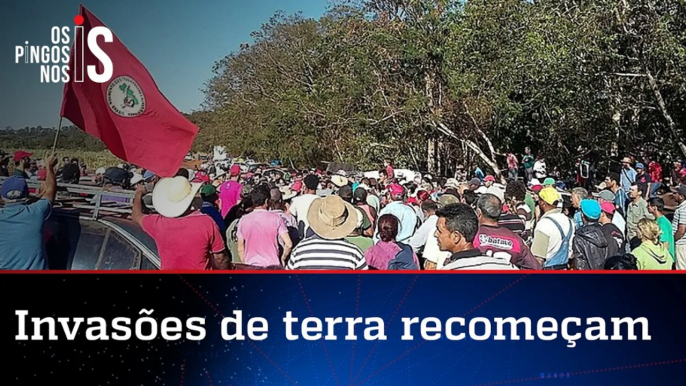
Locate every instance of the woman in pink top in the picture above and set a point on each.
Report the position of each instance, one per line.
(389, 254)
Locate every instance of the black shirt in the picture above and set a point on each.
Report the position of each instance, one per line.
(642, 180)
(71, 174)
(611, 233)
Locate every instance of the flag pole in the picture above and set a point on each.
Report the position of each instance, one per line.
(57, 134)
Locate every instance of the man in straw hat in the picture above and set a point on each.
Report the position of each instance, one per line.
(331, 220)
(185, 238)
(339, 180)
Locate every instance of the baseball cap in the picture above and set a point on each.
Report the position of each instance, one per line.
(20, 154)
(148, 175)
(311, 181)
(346, 193)
(606, 195)
(208, 190)
(447, 199)
(681, 190)
(590, 208)
(549, 181)
(489, 178)
(550, 195)
(536, 188)
(640, 166)
(475, 181)
(396, 190)
(14, 188)
(607, 207)
(235, 170)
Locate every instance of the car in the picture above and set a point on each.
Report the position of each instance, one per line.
(77, 242)
(86, 232)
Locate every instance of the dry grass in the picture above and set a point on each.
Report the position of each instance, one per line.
(93, 159)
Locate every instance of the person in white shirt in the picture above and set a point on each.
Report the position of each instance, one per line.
(428, 227)
(540, 169)
(300, 205)
(554, 233)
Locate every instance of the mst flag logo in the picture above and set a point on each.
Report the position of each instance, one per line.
(125, 97)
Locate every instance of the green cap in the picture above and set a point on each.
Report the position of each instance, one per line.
(207, 190)
(548, 181)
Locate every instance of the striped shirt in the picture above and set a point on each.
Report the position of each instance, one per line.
(475, 259)
(322, 254)
(512, 222)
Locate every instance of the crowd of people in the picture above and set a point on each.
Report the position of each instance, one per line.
(219, 217)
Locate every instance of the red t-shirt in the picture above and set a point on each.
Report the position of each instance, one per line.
(186, 242)
(503, 243)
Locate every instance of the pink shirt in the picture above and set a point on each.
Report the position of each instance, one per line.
(261, 230)
(186, 242)
(229, 195)
(512, 161)
(382, 253)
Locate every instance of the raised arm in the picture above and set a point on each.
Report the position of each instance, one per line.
(137, 210)
(50, 186)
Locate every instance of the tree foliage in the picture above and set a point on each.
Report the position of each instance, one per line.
(435, 83)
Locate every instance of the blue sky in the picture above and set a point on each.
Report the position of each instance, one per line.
(177, 40)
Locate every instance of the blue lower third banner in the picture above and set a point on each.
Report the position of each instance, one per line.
(343, 329)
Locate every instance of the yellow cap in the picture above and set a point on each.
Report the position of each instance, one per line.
(550, 195)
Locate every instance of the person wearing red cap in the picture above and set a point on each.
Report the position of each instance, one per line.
(230, 191)
(22, 161)
(610, 230)
(22, 244)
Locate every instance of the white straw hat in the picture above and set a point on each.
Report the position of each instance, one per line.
(172, 196)
(339, 180)
(287, 193)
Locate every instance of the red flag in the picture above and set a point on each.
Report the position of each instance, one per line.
(128, 112)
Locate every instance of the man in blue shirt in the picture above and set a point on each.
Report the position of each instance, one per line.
(628, 174)
(407, 218)
(21, 238)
